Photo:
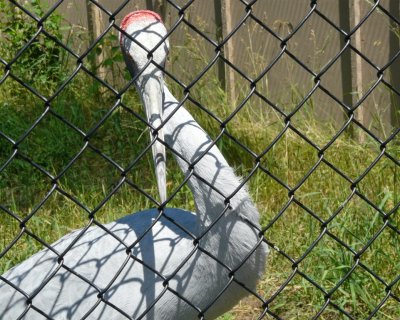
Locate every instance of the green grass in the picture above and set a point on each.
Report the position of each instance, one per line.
(52, 144)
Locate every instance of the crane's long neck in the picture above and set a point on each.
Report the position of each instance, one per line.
(187, 138)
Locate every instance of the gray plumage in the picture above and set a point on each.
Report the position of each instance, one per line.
(97, 256)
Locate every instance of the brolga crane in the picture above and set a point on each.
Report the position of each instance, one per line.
(150, 265)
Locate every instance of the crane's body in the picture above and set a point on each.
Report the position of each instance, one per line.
(166, 275)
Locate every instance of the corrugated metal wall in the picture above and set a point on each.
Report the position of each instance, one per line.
(315, 44)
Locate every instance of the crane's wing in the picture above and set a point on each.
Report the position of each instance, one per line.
(72, 288)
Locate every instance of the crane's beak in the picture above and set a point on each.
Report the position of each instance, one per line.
(151, 89)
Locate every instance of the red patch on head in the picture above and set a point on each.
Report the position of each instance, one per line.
(139, 15)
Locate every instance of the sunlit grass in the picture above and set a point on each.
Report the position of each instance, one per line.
(318, 199)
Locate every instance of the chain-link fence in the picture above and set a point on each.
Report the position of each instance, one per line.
(72, 156)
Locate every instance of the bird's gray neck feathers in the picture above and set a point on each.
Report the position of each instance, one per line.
(186, 137)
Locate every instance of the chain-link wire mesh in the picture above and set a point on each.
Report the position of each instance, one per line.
(264, 302)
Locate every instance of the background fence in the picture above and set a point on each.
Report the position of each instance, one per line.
(314, 45)
(315, 85)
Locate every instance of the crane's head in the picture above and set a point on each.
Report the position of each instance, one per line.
(148, 31)
(145, 48)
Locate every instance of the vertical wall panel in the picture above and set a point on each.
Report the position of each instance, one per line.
(315, 44)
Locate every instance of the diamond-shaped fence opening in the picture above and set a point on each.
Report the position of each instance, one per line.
(301, 98)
